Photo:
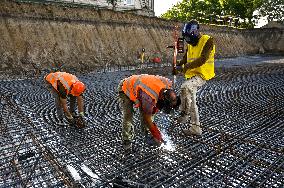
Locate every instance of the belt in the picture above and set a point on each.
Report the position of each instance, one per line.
(121, 92)
(190, 77)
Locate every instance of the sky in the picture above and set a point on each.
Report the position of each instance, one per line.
(161, 6)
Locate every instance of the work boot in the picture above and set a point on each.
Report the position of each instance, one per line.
(60, 119)
(183, 118)
(60, 116)
(80, 122)
(71, 121)
(127, 145)
(193, 130)
(73, 113)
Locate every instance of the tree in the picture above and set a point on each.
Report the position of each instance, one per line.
(211, 10)
(187, 9)
(273, 10)
(242, 8)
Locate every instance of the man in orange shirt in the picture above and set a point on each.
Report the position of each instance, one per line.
(62, 85)
(149, 93)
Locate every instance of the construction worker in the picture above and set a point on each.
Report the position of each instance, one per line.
(149, 93)
(61, 85)
(198, 67)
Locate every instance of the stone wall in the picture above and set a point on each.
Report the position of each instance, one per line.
(84, 37)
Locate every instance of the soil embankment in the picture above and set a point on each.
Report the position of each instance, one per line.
(83, 38)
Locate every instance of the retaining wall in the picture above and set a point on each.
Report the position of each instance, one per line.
(84, 37)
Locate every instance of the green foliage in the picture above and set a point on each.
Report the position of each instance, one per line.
(189, 9)
(223, 11)
(273, 9)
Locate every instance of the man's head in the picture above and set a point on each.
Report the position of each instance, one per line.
(168, 100)
(77, 88)
(191, 33)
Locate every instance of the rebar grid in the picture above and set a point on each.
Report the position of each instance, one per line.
(241, 111)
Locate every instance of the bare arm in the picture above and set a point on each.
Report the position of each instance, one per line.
(80, 103)
(64, 106)
(147, 107)
(63, 98)
(148, 119)
(152, 127)
(183, 60)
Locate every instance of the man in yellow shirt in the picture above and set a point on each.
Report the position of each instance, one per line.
(198, 67)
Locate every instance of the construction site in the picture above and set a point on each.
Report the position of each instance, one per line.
(241, 109)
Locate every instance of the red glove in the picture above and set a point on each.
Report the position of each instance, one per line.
(155, 110)
(155, 132)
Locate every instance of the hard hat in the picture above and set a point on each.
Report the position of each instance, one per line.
(77, 88)
(190, 32)
(189, 28)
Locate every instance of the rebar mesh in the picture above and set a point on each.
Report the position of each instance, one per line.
(242, 114)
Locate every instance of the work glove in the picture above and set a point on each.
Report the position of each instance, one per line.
(73, 114)
(80, 121)
(150, 140)
(82, 114)
(70, 120)
(156, 133)
(177, 70)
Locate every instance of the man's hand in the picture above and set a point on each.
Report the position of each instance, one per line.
(82, 114)
(81, 120)
(177, 70)
(186, 67)
(157, 136)
(150, 140)
(70, 119)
